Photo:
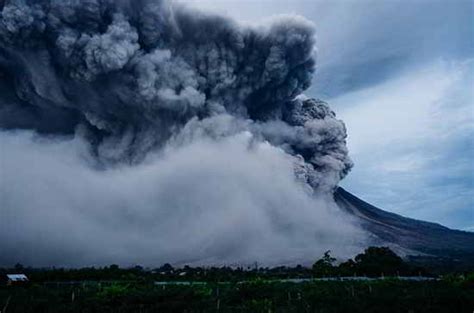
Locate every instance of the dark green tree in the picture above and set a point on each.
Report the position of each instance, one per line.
(167, 268)
(325, 266)
(19, 267)
(348, 268)
(376, 261)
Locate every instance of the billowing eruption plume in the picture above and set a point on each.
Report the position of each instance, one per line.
(147, 80)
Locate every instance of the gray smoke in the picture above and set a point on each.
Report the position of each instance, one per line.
(150, 83)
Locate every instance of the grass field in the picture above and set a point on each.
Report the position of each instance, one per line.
(389, 295)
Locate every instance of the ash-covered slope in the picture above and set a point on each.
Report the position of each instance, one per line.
(410, 236)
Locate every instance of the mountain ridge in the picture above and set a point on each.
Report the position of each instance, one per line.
(409, 236)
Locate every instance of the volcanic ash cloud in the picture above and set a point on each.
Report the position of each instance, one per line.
(146, 132)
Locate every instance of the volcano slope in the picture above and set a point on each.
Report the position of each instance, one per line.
(419, 241)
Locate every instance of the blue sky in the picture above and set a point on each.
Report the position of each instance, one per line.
(401, 76)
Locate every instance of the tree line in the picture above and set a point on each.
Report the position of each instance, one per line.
(373, 262)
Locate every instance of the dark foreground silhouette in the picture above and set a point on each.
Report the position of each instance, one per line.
(374, 281)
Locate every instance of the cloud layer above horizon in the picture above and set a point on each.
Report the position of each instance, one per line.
(231, 201)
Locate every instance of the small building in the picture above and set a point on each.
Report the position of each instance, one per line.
(15, 279)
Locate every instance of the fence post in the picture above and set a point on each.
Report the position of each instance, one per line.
(6, 304)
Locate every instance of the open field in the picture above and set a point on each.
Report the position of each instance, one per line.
(376, 280)
(388, 295)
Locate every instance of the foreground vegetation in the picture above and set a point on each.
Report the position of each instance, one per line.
(255, 289)
(258, 296)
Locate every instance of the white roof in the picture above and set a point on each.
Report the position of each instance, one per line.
(17, 277)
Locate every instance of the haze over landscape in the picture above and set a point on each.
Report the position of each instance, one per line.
(144, 132)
